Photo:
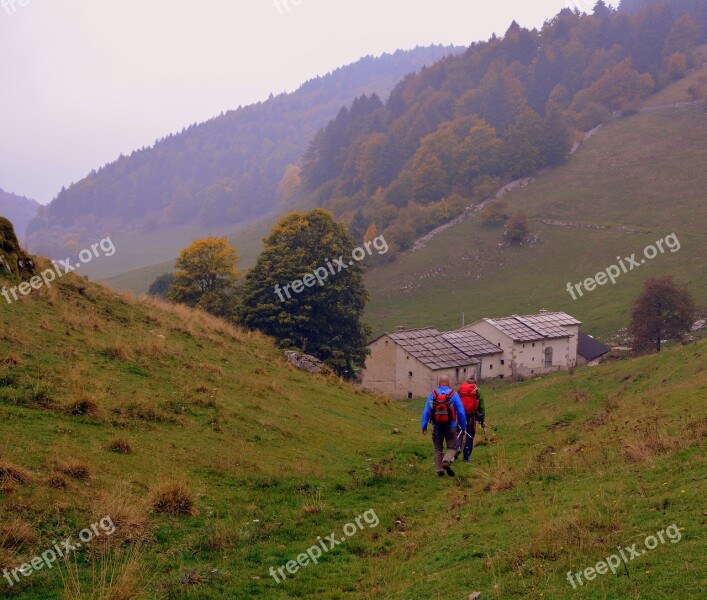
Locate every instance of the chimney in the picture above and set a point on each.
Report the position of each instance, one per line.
(400, 328)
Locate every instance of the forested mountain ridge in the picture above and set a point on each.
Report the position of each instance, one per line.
(18, 209)
(460, 129)
(225, 170)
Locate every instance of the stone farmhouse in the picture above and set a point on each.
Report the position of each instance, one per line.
(408, 363)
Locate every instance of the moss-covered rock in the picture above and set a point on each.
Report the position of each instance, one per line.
(13, 260)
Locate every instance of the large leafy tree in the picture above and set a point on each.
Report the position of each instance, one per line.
(206, 275)
(663, 310)
(324, 319)
(160, 286)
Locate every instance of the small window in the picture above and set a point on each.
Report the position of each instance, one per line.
(491, 367)
(503, 362)
(409, 395)
(409, 373)
(548, 357)
(500, 376)
(523, 345)
(533, 344)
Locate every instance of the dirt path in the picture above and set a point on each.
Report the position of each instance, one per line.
(554, 223)
(469, 212)
(648, 109)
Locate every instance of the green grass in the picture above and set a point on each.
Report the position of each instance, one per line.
(574, 465)
(645, 172)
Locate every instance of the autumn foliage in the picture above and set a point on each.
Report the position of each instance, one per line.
(505, 109)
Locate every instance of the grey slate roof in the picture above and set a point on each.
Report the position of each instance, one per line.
(533, 328)
(431, 349)
(471, 343)
(590, 348)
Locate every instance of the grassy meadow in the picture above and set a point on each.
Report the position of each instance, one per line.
(216, 461)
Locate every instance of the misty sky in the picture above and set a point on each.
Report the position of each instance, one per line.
(83, 80)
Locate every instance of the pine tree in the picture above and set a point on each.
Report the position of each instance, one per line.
(556, 137)
(358, 226)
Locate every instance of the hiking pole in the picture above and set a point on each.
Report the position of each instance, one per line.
(459, 447)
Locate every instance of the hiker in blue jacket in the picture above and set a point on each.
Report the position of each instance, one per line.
(444, 409)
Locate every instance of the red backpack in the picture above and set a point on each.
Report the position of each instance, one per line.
(443, 413)
(470, 398)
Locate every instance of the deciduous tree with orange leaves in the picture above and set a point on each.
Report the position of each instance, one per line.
(206, 276)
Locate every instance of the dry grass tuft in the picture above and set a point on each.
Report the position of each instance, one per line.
(173, 498)
(11, 360)
(501, 481)
(698, 429)
(12, 473)
(582, 533)
(647, 445)
(83, 406)
(120, 445)
(313, 504)
(74, 468)
(116, 575)
(16, 534)
(7, 560)
(57, 481)
(580, 396)
(129, 515)
(119, 352)
(150, 350)
(499, 477)
(40, 398)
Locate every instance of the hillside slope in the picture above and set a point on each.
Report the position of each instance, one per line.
(19, 210)
(637, 180)
(574, 465)
(505, 109)
(223, 171)
(197, 401)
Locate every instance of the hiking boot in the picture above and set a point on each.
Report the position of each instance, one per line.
(448, 468)
(440, 473)
(468, 460)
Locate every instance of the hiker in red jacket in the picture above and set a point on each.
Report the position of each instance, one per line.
(475, 408)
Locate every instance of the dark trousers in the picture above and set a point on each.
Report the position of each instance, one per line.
(440, 436)
(469, 437)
